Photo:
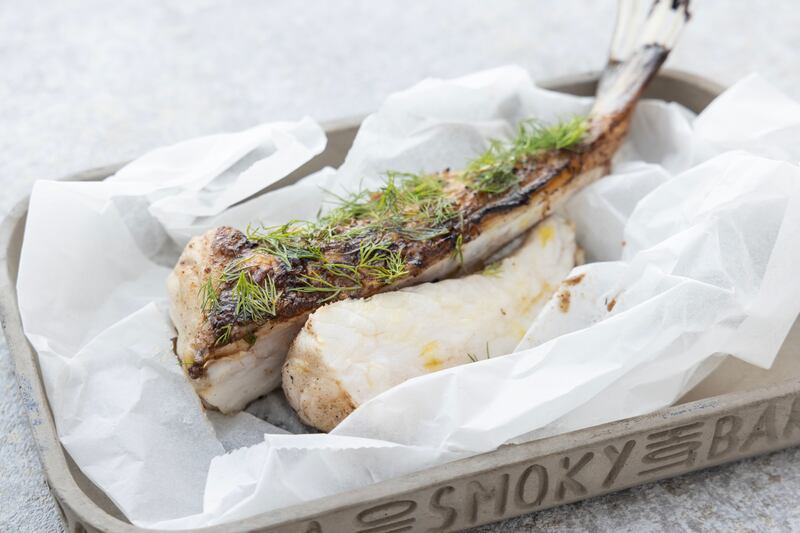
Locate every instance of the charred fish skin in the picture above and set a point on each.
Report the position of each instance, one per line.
(352, 350)
(231, 288)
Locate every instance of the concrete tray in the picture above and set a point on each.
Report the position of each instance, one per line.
(738, 411)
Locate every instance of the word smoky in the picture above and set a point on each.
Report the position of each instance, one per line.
(588, 471)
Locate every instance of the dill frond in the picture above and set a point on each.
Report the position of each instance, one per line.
(474, 358)
(422, 234)
(494, 171)
(314, 283)
(493, 270)
(254, 301)
(371, 253)
(348, 208)
(225, 335)
(209, 296)
(394, 269)
(287, 242)
(342, 270)
(562, 135)
(414, 205)
(438, 210)
(458, 250)
(380, 262)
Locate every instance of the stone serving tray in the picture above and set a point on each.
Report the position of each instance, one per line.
(738, 411)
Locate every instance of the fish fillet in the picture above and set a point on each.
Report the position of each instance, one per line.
(238, 298)
(351, 351)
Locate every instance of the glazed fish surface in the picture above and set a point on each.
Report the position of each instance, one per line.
(351, 351)
(239, 298)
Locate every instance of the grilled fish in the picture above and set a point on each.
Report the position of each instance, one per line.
(239, 298)
(351, 351)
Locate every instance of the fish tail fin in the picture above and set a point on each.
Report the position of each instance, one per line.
(642, 41)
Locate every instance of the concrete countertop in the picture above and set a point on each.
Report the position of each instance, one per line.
(87, 83)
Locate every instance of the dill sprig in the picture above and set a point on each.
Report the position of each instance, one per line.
(381, 262)
(458, 250)
(492, 270)
(474, 358)
(375, 260)
(224, 335)
(315, 283)
(394, 268)
(209, 295)
(289, 241)
(494, 171)
(413, 205)
(254, 301)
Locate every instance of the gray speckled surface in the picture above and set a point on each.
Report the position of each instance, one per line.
(86, 83)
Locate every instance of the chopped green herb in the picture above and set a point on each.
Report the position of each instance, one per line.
(254, 301)
(225, 335)
(209, 295)
(381, 262)
(414, 205)
(472, 357)
(315, 283)
(494, 171)
(458, 250)
(286, 242)
(493, 270)
(394, 268)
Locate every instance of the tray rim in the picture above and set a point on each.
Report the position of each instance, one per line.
(74, 501)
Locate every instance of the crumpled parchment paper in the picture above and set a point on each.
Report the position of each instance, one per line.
(690, 243)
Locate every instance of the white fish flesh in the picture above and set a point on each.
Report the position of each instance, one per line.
(351, 351)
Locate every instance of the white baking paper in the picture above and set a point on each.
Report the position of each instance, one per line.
(690, 248)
